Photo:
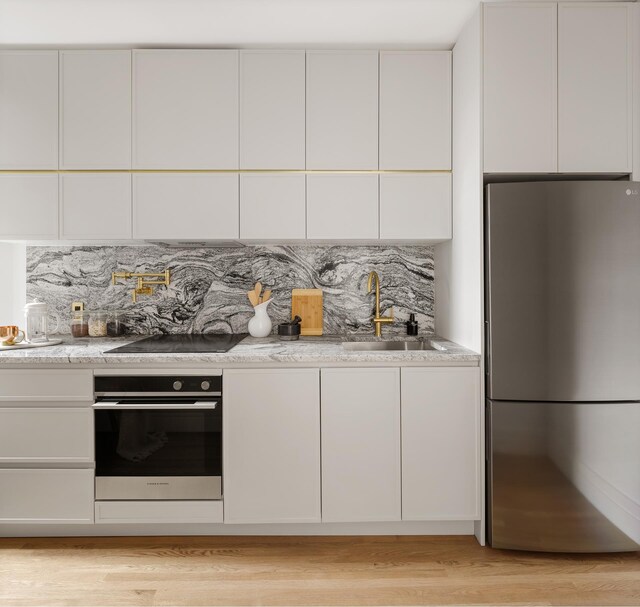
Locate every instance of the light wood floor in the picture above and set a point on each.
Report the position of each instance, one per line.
(305, 571)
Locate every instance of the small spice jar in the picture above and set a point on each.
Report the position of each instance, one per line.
(80, 324)
(97, 323)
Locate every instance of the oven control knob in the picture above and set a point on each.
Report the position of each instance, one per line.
(177, 385)
(205, 385)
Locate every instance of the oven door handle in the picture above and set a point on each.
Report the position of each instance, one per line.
(117, 406)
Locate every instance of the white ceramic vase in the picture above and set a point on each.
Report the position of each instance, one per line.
(260, 324)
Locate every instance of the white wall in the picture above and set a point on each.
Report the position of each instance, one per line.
(458, 262)
(13, 280)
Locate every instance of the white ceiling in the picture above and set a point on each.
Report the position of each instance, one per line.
(234, 23)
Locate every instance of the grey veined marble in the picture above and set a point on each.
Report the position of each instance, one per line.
(208, 291)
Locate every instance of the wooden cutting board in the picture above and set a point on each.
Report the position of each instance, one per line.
(307, 304)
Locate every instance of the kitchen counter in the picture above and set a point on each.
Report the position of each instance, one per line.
(323, 350)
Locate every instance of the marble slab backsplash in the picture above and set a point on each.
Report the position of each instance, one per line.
(208, 291)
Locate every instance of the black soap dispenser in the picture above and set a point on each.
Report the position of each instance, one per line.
(412, 325)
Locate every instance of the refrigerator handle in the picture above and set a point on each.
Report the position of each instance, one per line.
(487, 348)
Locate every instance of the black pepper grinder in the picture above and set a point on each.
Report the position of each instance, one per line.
(412, 325)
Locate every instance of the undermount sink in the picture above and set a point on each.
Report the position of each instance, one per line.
(390, 346)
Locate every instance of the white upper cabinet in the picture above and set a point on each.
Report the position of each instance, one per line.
(185, 109)
(415, 110)
(29, 207)
(95, 206)
(361, 445)
(441, 455)
(415, 206)
(594, 87)
(342, 110)
(520, 88)
(272, 207)
(28, 109)
(95, 109)
(272, 109)
(185, 206)
(342, 207)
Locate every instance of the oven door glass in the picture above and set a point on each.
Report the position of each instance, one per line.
(167, 442)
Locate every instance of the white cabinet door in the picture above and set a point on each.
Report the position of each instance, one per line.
(272, 110)
(46, 496)
(272, 207)
(29, 207)
(28, 109)
(415, 110)
(520, 88)
(415, 206)
(185, 206)
(360, 445)
(342, 207)
(594, 87)
(46, 434)
(95, 109)
(185, 109)
(95, 206)
(342, 110)
(441, 453)
(271, 446)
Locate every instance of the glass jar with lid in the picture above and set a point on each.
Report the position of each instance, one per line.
(115, 323)
(80, 324)
(98, 323)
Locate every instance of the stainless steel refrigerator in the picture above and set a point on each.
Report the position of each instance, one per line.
(562, 272)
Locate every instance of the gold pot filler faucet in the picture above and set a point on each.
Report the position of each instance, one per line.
(144, 286)
(377, 319)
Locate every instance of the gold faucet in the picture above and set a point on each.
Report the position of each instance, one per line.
(143, 285)
(377, 319)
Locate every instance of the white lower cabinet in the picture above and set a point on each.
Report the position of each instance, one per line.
(415, 206)
(361, 445)
(272, 207)
(95, 206)
(28, 206)
(441, 453)
(185, 206)
(271, 446)
(46, 496)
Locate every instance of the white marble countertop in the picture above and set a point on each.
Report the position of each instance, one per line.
(322, 350)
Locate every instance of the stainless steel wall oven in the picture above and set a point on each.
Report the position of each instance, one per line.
(158, 437)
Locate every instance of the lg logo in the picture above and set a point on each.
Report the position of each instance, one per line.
(631, 192)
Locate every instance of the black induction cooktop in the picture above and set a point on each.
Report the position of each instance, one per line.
(192, 343)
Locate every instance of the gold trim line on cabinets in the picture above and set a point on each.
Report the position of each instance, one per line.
(226, 171)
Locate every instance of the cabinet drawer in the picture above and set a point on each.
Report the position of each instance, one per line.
(35, 434)
(174, 511)
(51, 385)
(46, 496)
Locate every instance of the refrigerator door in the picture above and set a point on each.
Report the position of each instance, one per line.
(563, 291)
(564, 477)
